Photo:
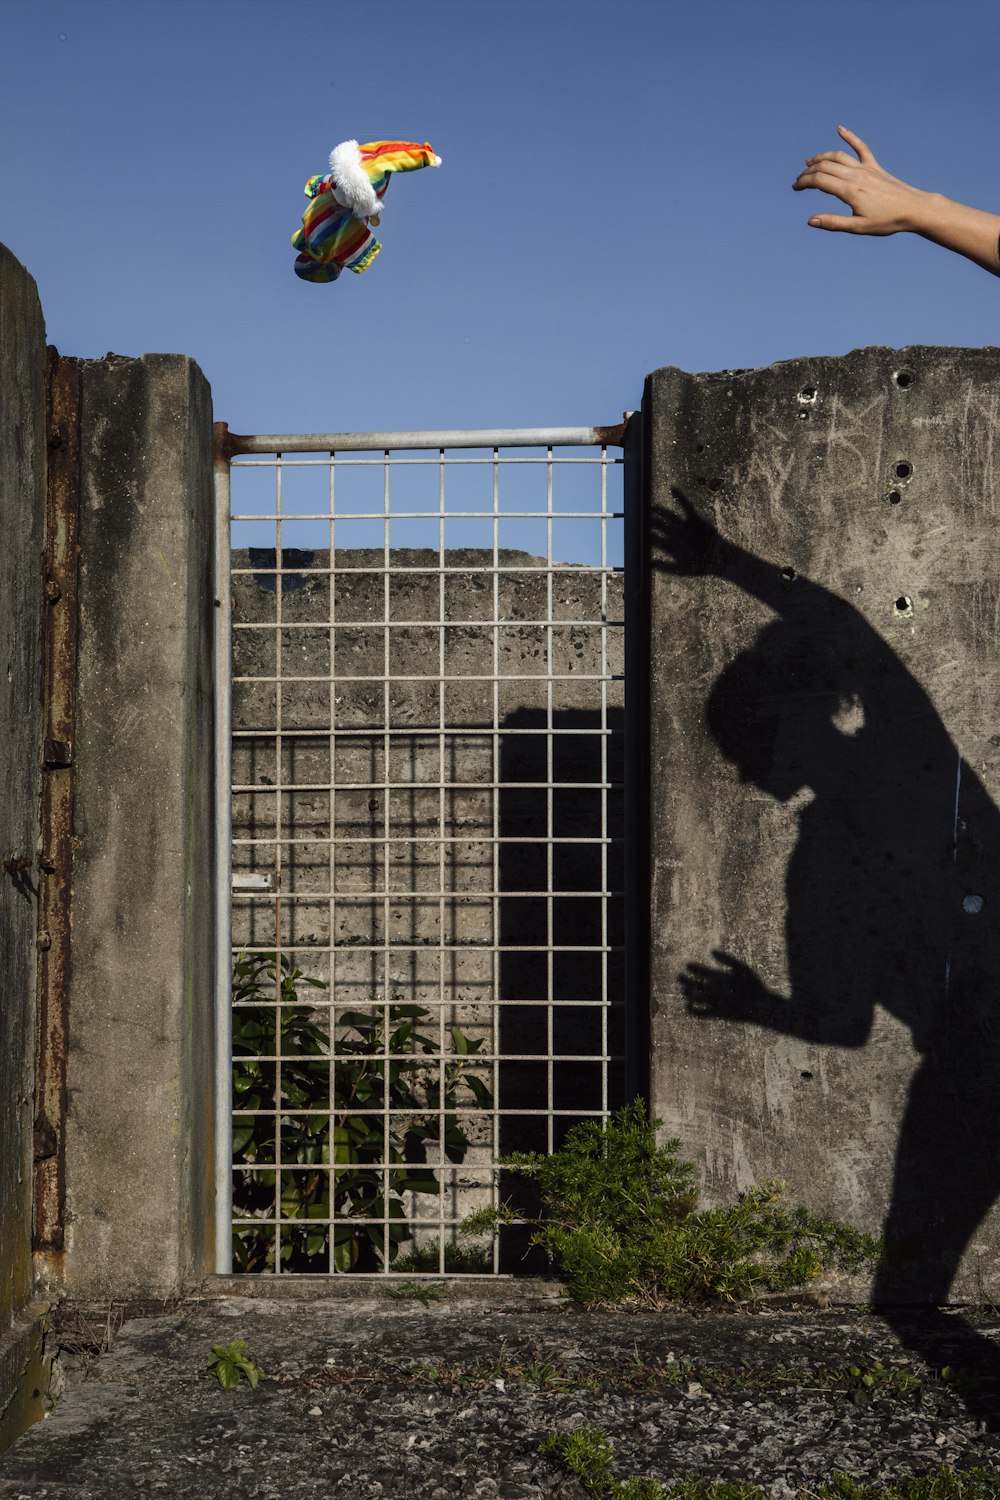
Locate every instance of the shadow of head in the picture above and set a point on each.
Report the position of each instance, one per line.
(784, 715)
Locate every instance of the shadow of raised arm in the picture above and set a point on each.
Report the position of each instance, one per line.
(688, 546)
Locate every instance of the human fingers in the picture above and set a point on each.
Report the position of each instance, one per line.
(684, 503)
(865, 153)
(843, 188)
(844, 173)
(700, 996)
(730, 961)
(840, 156)
(698, 1006)
(848, 224)
(699, 973)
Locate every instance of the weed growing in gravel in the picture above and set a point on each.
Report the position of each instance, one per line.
(416, 1291)
(230, 1363)
(880, 1377)
(620, 1218)
(587, 1454)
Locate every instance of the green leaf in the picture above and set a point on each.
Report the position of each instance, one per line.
(228, 1374)
(479, 1090)
(230, 1361)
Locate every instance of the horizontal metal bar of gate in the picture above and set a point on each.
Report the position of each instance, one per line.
(232, 443)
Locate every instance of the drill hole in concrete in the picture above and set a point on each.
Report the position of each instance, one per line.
(894, 497)
(715, 484)
(803, 416)
(903, 379)
(807, 396)
(903, 606)
(903, 470)
(789, 575)
(805, 1074)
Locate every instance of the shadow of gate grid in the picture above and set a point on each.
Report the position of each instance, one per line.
(421, 708)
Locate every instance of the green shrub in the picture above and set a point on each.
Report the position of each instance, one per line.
(620, 1219)
(379, 1059)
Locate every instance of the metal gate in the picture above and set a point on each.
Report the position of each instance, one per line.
(421, 825)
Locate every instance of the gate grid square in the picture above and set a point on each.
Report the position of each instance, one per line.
(427, 841)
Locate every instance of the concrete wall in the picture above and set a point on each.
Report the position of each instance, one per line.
(22, 502)
(139, 1130)
(825, 936)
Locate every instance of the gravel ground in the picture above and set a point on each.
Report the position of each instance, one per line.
(378, 1398)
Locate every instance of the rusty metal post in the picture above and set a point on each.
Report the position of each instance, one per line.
(55, 882)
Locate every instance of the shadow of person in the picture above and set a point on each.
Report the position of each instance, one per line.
(892, 895)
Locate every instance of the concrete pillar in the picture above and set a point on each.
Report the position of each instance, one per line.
(139, 1129)
(825, 931)
(22, 509)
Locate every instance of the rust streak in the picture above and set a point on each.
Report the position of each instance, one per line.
(614, 437)
(228, 444)
(59, 655)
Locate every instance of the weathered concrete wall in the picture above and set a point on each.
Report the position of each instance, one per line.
(22, 508)
(139, 1131)
(825, 769)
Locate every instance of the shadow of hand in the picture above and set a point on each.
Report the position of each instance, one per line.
(732, 991)
(686, 543)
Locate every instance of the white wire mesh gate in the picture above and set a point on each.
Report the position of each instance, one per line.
(422, 834)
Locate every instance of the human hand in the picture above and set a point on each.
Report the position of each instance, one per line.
(880, 203)
(685, 540)
(731, 991)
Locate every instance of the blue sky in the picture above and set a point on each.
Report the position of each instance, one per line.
(614, 194)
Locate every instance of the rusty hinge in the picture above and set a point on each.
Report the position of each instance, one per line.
(55, 878)
(227, 444)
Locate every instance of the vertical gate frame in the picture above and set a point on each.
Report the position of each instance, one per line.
(635, 439)
(222, 665)
(627, 435)
(55, 861)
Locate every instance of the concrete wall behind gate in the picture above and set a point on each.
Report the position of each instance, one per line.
(824, 785)
(436, 947)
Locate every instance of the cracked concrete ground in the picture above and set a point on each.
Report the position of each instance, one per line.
(366, 1398)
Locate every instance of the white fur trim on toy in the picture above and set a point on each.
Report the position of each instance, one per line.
(352, 188)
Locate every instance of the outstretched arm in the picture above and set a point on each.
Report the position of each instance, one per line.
(687, 544)
(881, 204)
(827, 1008)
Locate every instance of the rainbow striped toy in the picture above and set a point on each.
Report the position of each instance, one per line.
(335, 234)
